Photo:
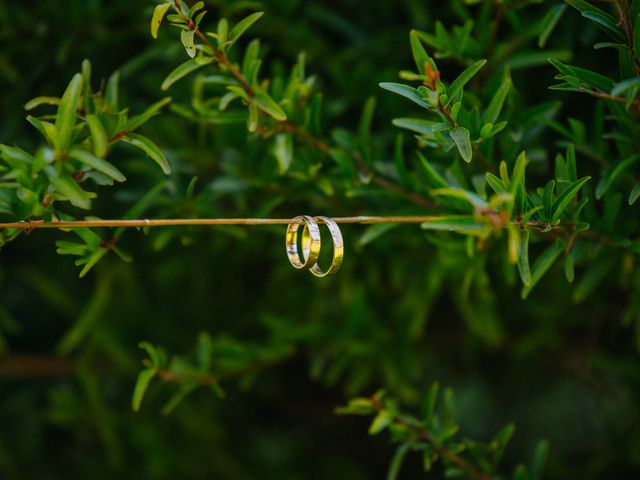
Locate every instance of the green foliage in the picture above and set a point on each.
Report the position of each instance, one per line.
(521, 290)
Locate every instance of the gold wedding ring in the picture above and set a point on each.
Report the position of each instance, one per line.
(338, 248)
(310, 242)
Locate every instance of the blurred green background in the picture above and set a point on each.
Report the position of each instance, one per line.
(391, 319)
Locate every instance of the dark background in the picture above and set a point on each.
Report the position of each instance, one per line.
(563, 372)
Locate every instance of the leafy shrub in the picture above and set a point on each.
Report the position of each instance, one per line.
(520, 291)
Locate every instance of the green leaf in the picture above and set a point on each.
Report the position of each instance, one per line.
(607, 24)
(175, 400)
(583, 6)
(569, 271)
(374, 232)
(539, 460)
(66, 117)
(462, 139)
(243, 26)
(112, 92)
(380, 422)
(566, 196)
(635, 194)
(97, 164)
(549, 23)
(406, 91)
(135, 122)
(470, 197)
(429, 405)
(396, 461)
(455, 89)
(607, 181)
(496, 184)
(492, 112)
(150, 149)
(542, 265)
(142, 384)
(98, 135)
(268, 105)
(187, 39)
(465, 224)
(91, 262)
(69, 189)
(420, 55)
(624, 86)
(283, 150)
(547, 199)
(523, 259)
(434, 179)
(185, 69)
(36, 102)
(158, 15)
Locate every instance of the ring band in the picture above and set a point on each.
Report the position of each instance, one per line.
(310, 242)
(338, 248)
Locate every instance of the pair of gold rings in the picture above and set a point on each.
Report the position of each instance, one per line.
(311, 244)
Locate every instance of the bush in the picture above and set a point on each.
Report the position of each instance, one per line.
(518, 291)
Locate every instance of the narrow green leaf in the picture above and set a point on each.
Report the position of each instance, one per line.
(542, 265)
(185, 69)
(607, 24)
(539, 460)
(374, 232)
(464, 224)
(366, 119)
(549, 23)
(583, 6)
(406, 91)
(69, 189)
(142, 384)
(268, 105)
(396, 461)
(622, 87)
(420, 55)
(112, 92)
(635, 194)
(66, 117)
(547, 199)
(158, 15)
(429, 405)
(492, 112)
(135, 122)
(98, 135)
(495, 183)
(523, 259)
(150, 149)
(243, 26)
(175, 400)
(462, 139)
(434, 179)
(97, 164)
(187, 39)
(569, 271)
(608, 180)
(417, 125)
(283, 151)
(566, 196)
(92, 261)
(380, 422)
(455, 89)
(36, 102)
(47, 129)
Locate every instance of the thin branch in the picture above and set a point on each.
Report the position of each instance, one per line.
(425, 435)
(365, 220)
